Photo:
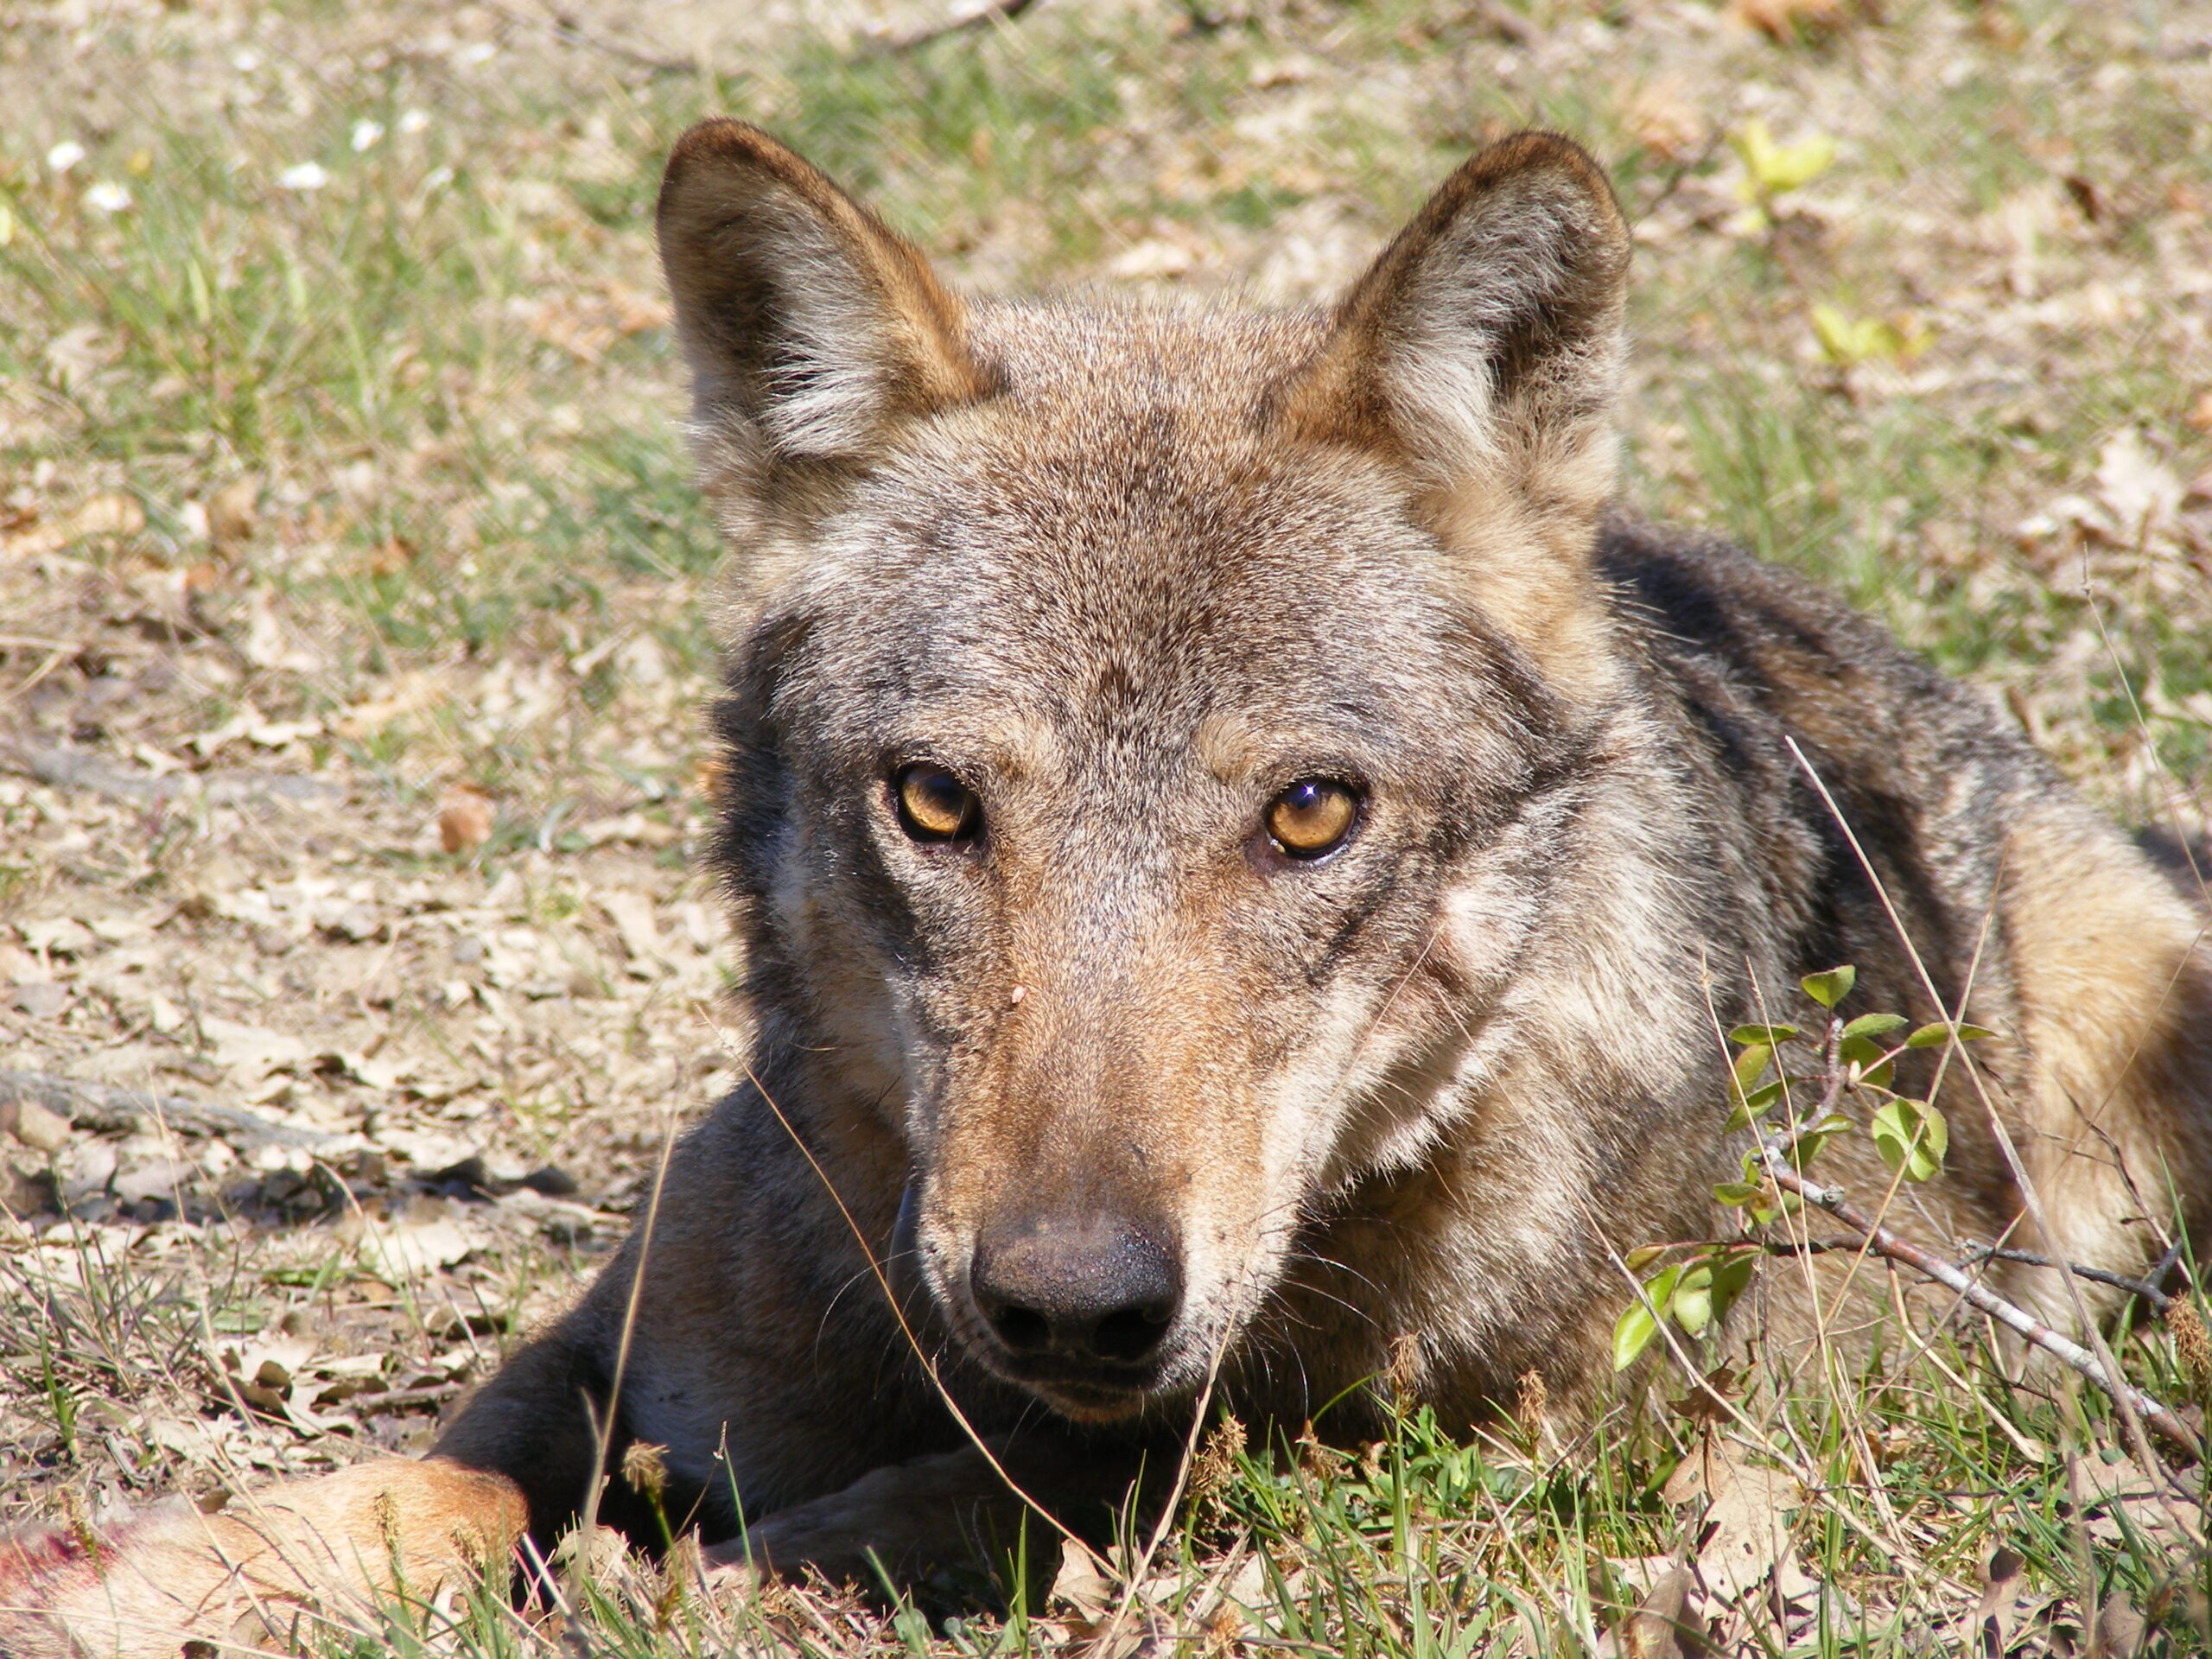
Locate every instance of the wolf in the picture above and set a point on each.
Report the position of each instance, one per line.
(1242, 854)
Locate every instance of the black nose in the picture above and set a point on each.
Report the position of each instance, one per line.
(1087, 1289)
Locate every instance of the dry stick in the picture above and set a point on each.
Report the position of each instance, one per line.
(993, 11)
(2109, 1365)
(1142, 1565)
(569, 31)
(1889, 1244)
(602, 1432)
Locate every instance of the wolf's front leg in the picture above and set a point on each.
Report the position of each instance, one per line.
(955, 1507)
(331, 1547)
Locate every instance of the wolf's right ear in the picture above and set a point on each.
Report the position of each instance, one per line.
(812, 329)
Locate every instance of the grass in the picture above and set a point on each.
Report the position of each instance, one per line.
(443, 377)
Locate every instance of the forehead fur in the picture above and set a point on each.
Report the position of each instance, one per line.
(1122, 534)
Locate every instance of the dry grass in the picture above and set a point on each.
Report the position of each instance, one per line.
(340, 491)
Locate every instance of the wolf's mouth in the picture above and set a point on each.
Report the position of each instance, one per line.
(1087, 1393)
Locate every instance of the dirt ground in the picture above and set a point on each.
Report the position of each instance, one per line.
(355, 616)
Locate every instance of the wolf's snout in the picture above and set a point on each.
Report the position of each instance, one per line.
(1098, 1289)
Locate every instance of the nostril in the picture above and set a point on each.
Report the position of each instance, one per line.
(1131, 1333)
(1023, 1329)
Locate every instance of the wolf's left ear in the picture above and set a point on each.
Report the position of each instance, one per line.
(1483, 348)
(812, 329)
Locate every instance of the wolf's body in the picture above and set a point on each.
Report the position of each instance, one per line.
(1118, 1087)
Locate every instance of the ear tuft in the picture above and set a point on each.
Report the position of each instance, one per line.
(1489, 334)
(812, 329)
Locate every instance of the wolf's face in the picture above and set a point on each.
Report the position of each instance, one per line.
(1153, 730)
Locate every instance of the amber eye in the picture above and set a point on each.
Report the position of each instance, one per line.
(1312, 817)
(933, 804)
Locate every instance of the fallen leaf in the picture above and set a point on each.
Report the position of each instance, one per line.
(2139, 489)
(1990, 1626)
(2122, 1499)
(268, 644)
(253, 1051)
(464, 820)
(233, 514)
(1082, 1582)
(633, 915)
(1787, 21)
(1746, 1532)
(2121, 1629)
(407, 1250)
(1656, 1629)
(1153, 259)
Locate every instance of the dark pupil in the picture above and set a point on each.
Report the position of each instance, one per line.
(941, 799)
(935, 804)
(1302, 799)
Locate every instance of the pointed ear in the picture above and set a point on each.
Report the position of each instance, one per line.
(811, 329)
(1484, 345)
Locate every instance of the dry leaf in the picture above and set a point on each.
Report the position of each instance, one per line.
(1661, 1627)
(1787, 19)
(1082, 1582)
(252, 1050)
(2121, 1629)
(409, 1249)
(2121, 1498)
(1990, 1626)
(1666, 122)
(2138, 488)
(233, 514)
(1746, 1529)
(1153, 259)
(464, 820)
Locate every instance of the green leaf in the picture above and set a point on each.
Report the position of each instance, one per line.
(1643, 1255)
(1937, 1035)
(1913, 1137)
(1807, 1147)
(1873, 1025)
(1692, 1302)
(1730, 1278)
(1830, 988)
(1774, 168)
(1634, 1330)
(1768, 1036)
(1848, 340)
(1632, 1334)
(1736, 1193)
(1751, 1065)
(1752, 1105)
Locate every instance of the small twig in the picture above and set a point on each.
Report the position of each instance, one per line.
(2146, 1289)
(975, 16)
(436, 1394)
(1885, 1244)
(568, 31)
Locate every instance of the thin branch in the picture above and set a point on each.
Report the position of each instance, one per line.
(2145, 1289)
(1885, 1244)
(974, 17)
(570, 31)
(2107, 1366)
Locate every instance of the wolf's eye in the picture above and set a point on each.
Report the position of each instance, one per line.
(1312, 817)
(933, 804)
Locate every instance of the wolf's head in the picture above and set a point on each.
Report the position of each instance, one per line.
(1150, 730)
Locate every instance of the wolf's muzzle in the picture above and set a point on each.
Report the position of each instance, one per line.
(1076, 1292)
